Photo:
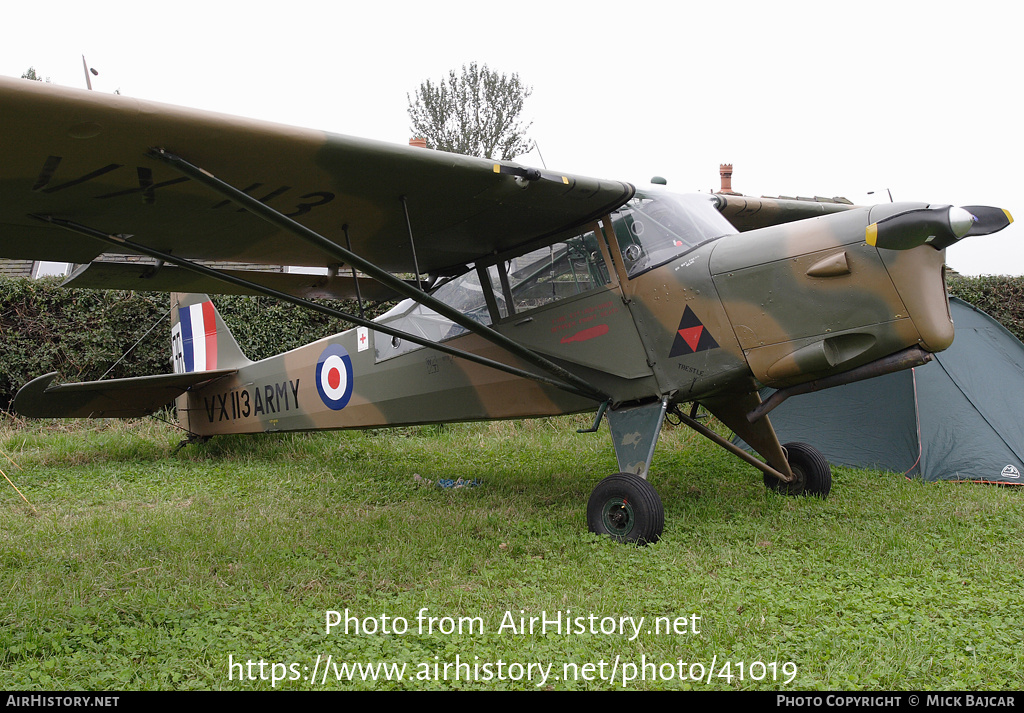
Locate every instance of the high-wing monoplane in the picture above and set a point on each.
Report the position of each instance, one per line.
(526, 292)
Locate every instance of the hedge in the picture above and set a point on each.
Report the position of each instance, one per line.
(82, 334)
(1001, 296)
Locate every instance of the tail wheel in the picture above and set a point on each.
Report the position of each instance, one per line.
(811, 472)
(627, 508)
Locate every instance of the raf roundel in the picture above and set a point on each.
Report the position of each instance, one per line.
(334, 377)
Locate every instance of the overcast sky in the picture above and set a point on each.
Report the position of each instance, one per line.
(804, 98)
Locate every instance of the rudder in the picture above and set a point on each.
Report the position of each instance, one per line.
(200, 341)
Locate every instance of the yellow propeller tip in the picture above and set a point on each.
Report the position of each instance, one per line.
(871, 234)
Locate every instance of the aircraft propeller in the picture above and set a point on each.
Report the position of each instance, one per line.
(938, 226)
(987, 219)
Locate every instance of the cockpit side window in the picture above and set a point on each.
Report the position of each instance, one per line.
(555, 272)
(528, 281)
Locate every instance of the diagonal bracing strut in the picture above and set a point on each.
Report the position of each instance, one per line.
(329, 247)
(124, 242)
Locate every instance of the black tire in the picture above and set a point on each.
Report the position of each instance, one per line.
(627, 508)
(812, 473)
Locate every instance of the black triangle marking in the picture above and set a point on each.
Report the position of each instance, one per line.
(680, 346)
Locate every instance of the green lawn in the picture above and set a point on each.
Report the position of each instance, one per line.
(139, 568)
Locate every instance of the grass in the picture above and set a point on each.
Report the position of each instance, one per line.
(138, 567)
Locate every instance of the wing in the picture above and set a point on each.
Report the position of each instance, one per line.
(750, 213)
(137, 276)
(81, 156)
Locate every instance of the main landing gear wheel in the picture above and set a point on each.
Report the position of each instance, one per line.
(811, 472)
(627, 508)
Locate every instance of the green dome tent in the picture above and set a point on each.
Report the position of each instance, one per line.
(960, 417)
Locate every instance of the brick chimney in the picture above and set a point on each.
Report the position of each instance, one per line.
(418, 141)
(725, 171)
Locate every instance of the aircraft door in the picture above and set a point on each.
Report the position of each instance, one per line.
(564, 301)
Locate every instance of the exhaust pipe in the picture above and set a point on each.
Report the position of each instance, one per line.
(906, 359)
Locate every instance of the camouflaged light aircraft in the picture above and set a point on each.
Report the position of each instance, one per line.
(533, 293)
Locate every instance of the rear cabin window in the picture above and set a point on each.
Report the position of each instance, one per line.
(549, 274)
(523, 283)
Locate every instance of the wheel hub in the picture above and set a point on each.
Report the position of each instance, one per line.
(618, 516)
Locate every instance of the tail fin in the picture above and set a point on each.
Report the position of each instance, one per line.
(200, 341)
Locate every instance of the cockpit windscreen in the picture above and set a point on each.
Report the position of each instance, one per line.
(654, 228)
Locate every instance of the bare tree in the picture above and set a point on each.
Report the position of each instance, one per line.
(475, 113)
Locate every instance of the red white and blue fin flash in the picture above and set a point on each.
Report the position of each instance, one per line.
(194, 338)
(334, 377)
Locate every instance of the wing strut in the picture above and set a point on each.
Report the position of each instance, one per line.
(355, 277)
(254, 206)
(124, 242)
(412, 244)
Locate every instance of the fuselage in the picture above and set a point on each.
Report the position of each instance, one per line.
(661, 299)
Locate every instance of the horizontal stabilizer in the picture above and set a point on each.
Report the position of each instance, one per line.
(167, 278)
(114, 398)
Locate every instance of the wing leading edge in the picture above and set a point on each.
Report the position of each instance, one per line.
(751, 213)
